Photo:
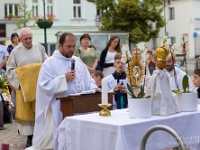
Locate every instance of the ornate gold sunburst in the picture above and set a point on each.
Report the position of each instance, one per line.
(135, 68)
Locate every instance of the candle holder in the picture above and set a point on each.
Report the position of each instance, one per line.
(105, 111)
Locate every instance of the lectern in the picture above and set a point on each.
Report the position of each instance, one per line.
(74, 104)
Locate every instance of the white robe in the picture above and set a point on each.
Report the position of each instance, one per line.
(112, 82)
(52, 83)
(180, 74)
(21, 56)
(163, 102)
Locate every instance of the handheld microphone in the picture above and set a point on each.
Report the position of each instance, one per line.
(73, 64)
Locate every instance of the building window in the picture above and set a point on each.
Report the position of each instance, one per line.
(173, 40)
(11, 9)
(35, 8)
(98, 12)
(77, 8)
(49, 7)
(171, 13)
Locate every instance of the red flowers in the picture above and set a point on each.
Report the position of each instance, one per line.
(46, 17)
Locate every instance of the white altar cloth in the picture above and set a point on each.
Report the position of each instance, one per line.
(119, 132)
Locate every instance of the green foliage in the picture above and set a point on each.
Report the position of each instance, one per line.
(3, 82)
(22, 20)
(177, 91)
(185, 84)
(130, 91)
(140, 89)
(142, 20)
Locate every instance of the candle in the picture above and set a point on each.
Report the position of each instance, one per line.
(5, 146)
(104, 91)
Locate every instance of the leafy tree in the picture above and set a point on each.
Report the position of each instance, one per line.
(22, 20)
(141, 19)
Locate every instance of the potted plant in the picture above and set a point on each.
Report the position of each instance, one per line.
(187, 101)
(45, 21)
(139, 105)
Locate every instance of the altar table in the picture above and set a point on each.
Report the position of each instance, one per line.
(119, 132)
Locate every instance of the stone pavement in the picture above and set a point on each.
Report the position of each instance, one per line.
(10, 134)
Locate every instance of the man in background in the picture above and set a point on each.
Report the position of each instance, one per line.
(175, 74)
(18, 70)
(3, 58)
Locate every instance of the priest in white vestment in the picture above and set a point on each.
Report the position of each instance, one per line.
(163, 102)
(57, 78)
(176, 75)
(24, 54)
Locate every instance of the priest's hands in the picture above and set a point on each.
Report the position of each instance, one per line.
(70, 75)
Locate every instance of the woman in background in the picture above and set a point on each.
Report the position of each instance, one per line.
(86, 54)
(15, 42)
(108, 54)
(98, 63)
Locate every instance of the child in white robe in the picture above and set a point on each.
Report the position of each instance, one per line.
(117, 83)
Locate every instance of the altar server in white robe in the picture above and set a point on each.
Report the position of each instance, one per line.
(56, 78)
(176, 76)
(117, 83)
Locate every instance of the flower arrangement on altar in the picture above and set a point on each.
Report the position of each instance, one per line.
(139, 104)
(136, 72)
(46, 18)
(186, 98)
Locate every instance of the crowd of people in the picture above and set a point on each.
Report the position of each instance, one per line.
(35, 80)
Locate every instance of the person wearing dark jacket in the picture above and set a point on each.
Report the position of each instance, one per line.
(107, 55)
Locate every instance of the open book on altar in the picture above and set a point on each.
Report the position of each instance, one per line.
(87, 92)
